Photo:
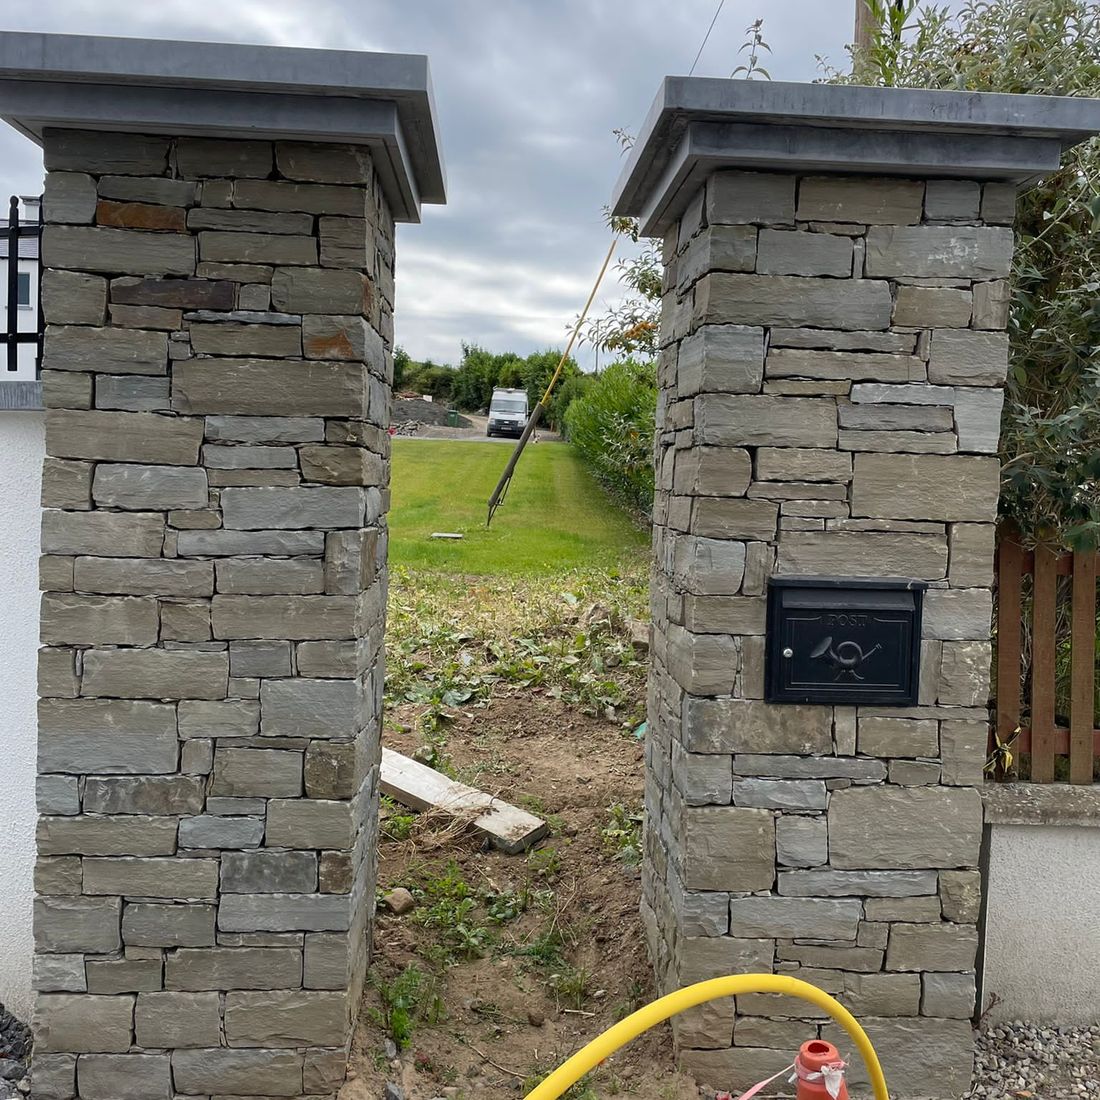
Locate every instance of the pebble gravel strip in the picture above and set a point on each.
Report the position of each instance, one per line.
(1017, 1061)
(15, 1050)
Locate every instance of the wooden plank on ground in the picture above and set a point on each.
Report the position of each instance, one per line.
(422, 788)
(1043, 640)
(1009, 624)
(1083, 662)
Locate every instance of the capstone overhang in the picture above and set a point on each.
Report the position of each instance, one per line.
(699, 124)
(132, 85)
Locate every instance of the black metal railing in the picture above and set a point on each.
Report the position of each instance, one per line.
(11, 336)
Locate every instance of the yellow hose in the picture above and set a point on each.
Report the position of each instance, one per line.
(734, 985)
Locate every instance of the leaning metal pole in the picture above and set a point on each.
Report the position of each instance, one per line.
(501, 491)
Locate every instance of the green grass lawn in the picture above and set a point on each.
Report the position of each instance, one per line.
(556, 517)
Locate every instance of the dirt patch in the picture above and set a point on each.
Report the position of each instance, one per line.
(424, 412)
(552, 951)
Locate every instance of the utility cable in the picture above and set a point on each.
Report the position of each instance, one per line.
(706, 37)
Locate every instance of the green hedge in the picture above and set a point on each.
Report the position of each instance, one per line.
(612, 424)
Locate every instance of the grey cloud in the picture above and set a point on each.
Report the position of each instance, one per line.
(528, 93)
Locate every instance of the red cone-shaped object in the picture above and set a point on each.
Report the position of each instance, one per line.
(811, 1057)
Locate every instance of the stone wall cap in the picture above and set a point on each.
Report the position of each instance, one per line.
(699, 124)
(1041, 804)
(134, 85)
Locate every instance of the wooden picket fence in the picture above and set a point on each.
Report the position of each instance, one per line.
(1046, 644)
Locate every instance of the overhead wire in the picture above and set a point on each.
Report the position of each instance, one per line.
(706, 37)
(501, 490)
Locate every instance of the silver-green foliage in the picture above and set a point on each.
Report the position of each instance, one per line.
(1051, 428)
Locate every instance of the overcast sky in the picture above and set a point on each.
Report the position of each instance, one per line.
(528, 92)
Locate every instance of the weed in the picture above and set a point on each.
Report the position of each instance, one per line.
(409, 999)
(570, 985)
(582, 1090)
(449, 907)
(397, 823)
(506, 906)
(546, 949)
(623, 834)
(544, 863)
(634, 999)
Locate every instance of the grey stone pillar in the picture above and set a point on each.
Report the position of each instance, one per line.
(832, 357)
(217, 374)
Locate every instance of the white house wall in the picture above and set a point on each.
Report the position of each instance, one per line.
(1042, 923)
(22, 445)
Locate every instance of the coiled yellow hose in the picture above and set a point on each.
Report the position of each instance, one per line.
(734, 985)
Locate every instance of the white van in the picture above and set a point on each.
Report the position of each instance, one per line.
(508, 412)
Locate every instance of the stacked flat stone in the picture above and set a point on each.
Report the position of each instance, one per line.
(830, 396)
(217, 373)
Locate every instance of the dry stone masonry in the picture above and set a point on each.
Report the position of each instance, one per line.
(830, 391)
(217, 371)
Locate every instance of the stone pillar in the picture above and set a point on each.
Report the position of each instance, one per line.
(831, 369)
(217, 373)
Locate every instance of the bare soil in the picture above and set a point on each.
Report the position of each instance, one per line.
(509, 1016)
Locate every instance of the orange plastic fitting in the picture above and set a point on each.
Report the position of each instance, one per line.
(811, 1057)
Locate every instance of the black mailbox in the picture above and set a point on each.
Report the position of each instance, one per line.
(843, 640)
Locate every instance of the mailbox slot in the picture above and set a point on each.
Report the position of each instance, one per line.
(843, 640)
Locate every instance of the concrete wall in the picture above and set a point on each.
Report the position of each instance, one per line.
(22, 445)
(1043, 909)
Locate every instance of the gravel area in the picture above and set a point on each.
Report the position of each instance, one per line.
(1022, 1061)
(15, 1051)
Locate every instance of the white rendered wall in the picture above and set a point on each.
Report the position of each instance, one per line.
(22, 446)
(1043, 923)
